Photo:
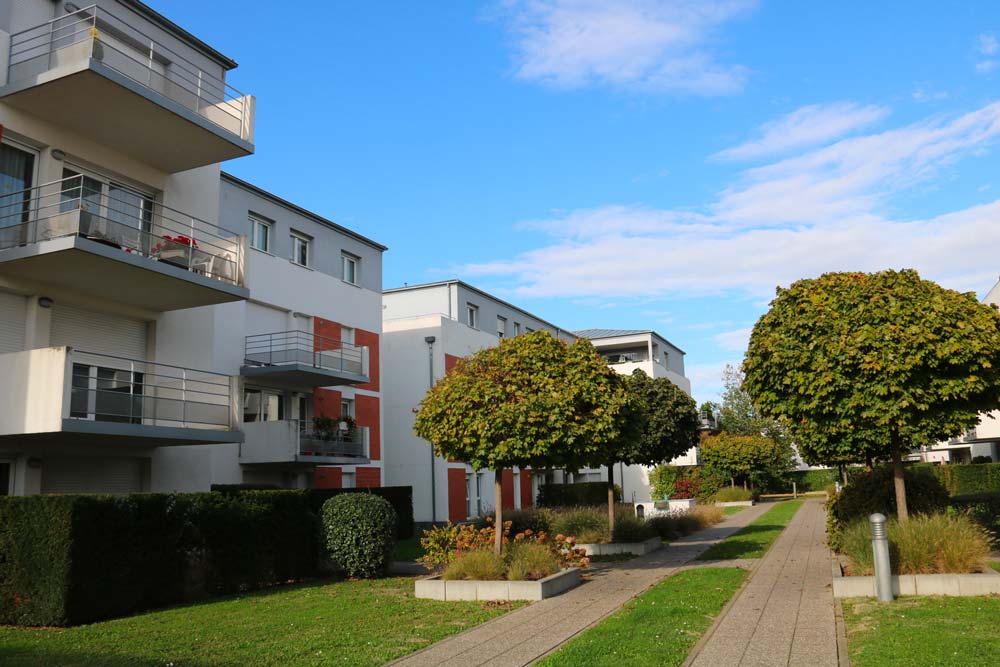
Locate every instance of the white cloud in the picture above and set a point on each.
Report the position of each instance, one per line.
(806, 126)
(987, 44)
(649, 45)
(822, 210)
(735, 340)
(986, 66)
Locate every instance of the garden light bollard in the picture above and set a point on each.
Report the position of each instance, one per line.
(880, 549)
(795, 490)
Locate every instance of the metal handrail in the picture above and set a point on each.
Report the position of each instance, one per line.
(209, 90)
(302, 347)
(140, 226)
(350, 443)
(158, 394)
(628, 356)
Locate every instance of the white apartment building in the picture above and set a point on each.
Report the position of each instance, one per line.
(982, 440)
(625, 351)
(426, 329)
(164, 326)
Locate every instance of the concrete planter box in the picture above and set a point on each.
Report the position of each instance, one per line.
(737, 503)
(615, 548)
(653, 508)
(954, 585)
(436, 588)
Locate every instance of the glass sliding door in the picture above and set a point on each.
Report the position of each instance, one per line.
(17, 168)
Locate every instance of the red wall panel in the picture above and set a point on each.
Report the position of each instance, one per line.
(328, 478)
(365, 478)
(527, 498)
(370, 340)
(456, 495)
(326, 403)
(507, 488)
(366, 414)
(449, 362)
(328, 334)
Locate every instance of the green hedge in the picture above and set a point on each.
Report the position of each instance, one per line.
(813, 480)
(967, 479)
(584, 494)
(984, 509)
(66, 560)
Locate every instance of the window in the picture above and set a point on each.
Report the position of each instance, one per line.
(260, 236)
(5, 478)
(472, 313)
(261, 405)
(16, 170)
(347, 335)
(529, 330)
(517, 328)
(347, 407)
(501, 326)
(350, 265)
(300, 249)
(106, 394)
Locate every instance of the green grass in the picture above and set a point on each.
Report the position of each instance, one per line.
(924, 632)
(339, 623)
(995, 565)
(754, 540)
(656, 629)
(729, 511)
(408, 549)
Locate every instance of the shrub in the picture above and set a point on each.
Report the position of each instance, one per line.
(587, 525)
(926, 544)
(732, 494)
(583, 494)
(478, 565)
(873, 491)
(661, 481)
(537, 520)
(400, 497)
(360, 533)
(963, 480)
(983, 508)
(530, 561)
(982, 459)
(672, 526)
(706, 515)
(443, 544)
(709, 481)
(686, 488)
(630, 528)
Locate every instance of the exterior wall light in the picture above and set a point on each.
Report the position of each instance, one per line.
(45, 302)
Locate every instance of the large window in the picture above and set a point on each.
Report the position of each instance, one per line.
(262, 405)
(16, 169)
(501, 327)
(260, 237)
(106, 394)
(350, 265)
(347, 407)
(109, 212)
(300, 249)
(472, 316)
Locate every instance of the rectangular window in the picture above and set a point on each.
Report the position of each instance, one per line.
(472, 313)
(300, 249)
(16, 170)
(350, 264)
(260, 237)
(529, 330)
(517, 328)
(106, 394)
(347, 408)
(501, 326)
(263, 406)
(5, 478)
(347, 335)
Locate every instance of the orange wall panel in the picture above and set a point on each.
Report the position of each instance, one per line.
(370, 340)
(328, 334)
(527, 498)
(328, 478)
(457, 505)
(450, 360)
(326, 403)
(507, 488)
(366, 414)
(365, 478)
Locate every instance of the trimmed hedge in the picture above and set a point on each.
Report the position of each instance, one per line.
(584, 494)
(967, 479)
(984, 509)
(814, 480)
(73, 559)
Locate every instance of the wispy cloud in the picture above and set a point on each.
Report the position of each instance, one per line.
(987, 45)
(806, 126)
(735, 340)
(647, 45)
(824, 209)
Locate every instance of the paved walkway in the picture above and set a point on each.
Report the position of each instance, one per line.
(531, 632)
(785, 614)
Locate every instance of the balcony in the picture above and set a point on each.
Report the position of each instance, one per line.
(296, 442)
(615, 357)
(81, 235)
(295, 359)
(95, 73)
(59, 395)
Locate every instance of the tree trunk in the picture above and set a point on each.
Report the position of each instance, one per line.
(498, 518)
(899, 482)
(611, 500)
(843, 474)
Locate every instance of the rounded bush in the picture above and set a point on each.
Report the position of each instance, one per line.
(873, 491)
(360, 533)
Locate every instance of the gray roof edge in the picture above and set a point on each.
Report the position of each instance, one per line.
(599, 334)
(156, 17)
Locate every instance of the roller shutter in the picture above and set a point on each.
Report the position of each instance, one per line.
(13, 312)
(93, 475)
(102, 333)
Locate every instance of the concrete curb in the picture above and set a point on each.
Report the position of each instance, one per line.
(616, 548)
(436, 588)
(952, 585)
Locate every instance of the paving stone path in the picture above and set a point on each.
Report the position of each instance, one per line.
(525, 635)
(785, 615)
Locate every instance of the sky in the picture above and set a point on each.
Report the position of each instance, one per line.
(632, 164)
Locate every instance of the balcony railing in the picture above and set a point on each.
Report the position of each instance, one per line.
(330, 443)
(95, 33)
(120, 218)
(625, 356)
(302, 347)
(107, 388)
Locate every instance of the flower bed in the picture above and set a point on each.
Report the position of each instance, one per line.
(952, 585)
(615, 548)
(438, 588)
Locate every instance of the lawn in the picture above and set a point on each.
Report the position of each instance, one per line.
(754, 540)
(995, 565)
(729, 511)
(329, 623)
(924, 632)
(408, 549)
(656, 629)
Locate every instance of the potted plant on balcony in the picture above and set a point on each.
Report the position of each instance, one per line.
(176, 250)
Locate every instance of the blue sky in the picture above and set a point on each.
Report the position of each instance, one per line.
(632, 164)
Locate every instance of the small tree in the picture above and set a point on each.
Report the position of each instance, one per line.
(737, 414)
(532, 400)
(869, 365)
(660, 422)
(748, 457)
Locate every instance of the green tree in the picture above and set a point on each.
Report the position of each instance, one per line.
(531, 401)
(751, 458)
(861, 365)
(659, 423)
(737, 414)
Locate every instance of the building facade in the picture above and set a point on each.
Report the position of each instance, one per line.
(164, 326)
(426, 329)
